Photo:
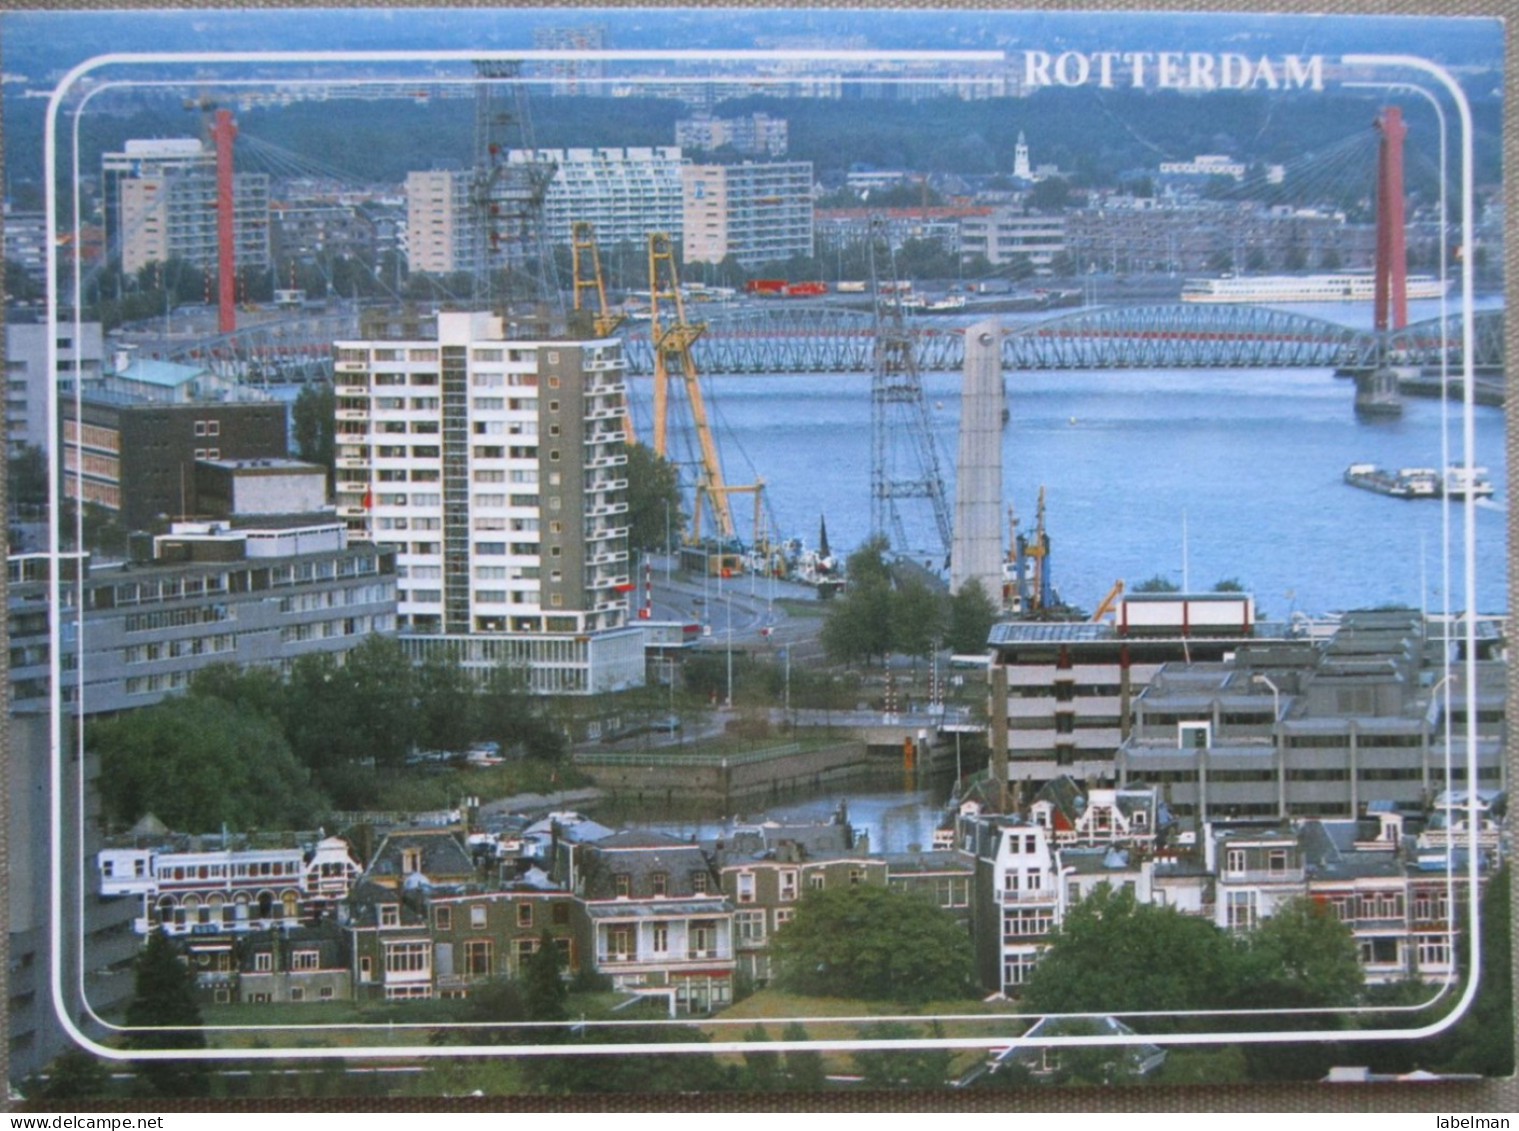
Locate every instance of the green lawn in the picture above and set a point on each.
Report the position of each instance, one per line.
(821, 1017)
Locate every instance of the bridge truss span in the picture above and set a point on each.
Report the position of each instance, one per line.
(1182, 336)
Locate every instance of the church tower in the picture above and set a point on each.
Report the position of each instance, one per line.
(1021, 170)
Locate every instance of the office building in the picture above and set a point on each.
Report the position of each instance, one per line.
(1005, 235)
(757, 213)
(138, 457)
(494, 467)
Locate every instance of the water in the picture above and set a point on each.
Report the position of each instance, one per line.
(1197, 476)
(896, 822)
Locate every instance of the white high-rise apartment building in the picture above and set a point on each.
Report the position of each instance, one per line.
(495, 468)
(623, 193)
(756, 212)
(160, 204)
(439, 221)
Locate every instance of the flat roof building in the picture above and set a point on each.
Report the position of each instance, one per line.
(494, 468)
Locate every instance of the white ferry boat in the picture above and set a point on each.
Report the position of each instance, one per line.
(1458, 484)
(1343, 287)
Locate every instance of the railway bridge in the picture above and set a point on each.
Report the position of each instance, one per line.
(821, 339)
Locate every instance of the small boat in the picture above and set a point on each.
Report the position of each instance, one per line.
(1458, 485)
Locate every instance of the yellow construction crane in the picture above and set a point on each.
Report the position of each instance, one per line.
(672, 348)
(1109, 602)
(584, 256)
(583, 250)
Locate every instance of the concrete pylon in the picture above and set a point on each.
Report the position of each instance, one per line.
(977, 549)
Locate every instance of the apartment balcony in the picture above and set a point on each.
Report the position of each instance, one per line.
(601, 462)
(609, 557)
(601, 510)
(347, 390)
(1045, 896)
(352, 414)
(605, 412)
(598, 484)
(1262, 876)
(610, 436)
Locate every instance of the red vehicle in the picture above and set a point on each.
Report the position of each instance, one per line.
(765, 287)
(806, 290)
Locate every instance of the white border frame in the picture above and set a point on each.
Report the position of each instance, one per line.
(65, 88)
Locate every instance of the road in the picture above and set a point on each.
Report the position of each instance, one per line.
(745, 612)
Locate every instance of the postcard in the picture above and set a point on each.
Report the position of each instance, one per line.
(569, 551)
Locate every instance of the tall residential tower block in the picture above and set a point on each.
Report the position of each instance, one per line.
(496, 469)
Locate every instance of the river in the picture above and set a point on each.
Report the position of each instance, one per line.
(1198, 476)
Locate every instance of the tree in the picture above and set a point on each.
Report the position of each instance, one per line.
(655, 519)
(1156, 584)
(971, 616)
(1114, 954)
(1050, 195)
(873, 943)
(378, 681)
(163, 1015)
(804, 1067)
(446, 716)
(544, 993)
(200, 764)
(514, 718)
(917, 618)
(314, 421)
(72, 1075)
(26, 477)
(918, 1068)
(1302, 955)
(255, 690)
(762, 1070)
(630, 1072)
(858, 622)
(1229, 585)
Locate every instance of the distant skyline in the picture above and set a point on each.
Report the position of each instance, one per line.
(40, 45)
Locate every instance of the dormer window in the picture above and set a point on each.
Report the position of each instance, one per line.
(659, 883)
(411, 861)
(699, 883)
(622, 885)
(390, 914)
(1139, 820)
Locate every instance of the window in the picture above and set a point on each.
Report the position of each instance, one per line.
(659, 936)
(1276, 861)
(306, 960)
(1018, 968)
(749, 926)
(408, 958)
(788, 883)
(702, 936)
(390, 915)
(856, 876)
(560, 913)
(783, 916)
(699, 883)
(619, 944)
(477, 958)
(1024, 922)
(1234, 861)
(816, 881)
(263, 962)
(524, 914)
(297, 993)
(411, 861)
(443, 918)
(1240, 910)
(659, 883)
(622, 885)
(746, 887)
